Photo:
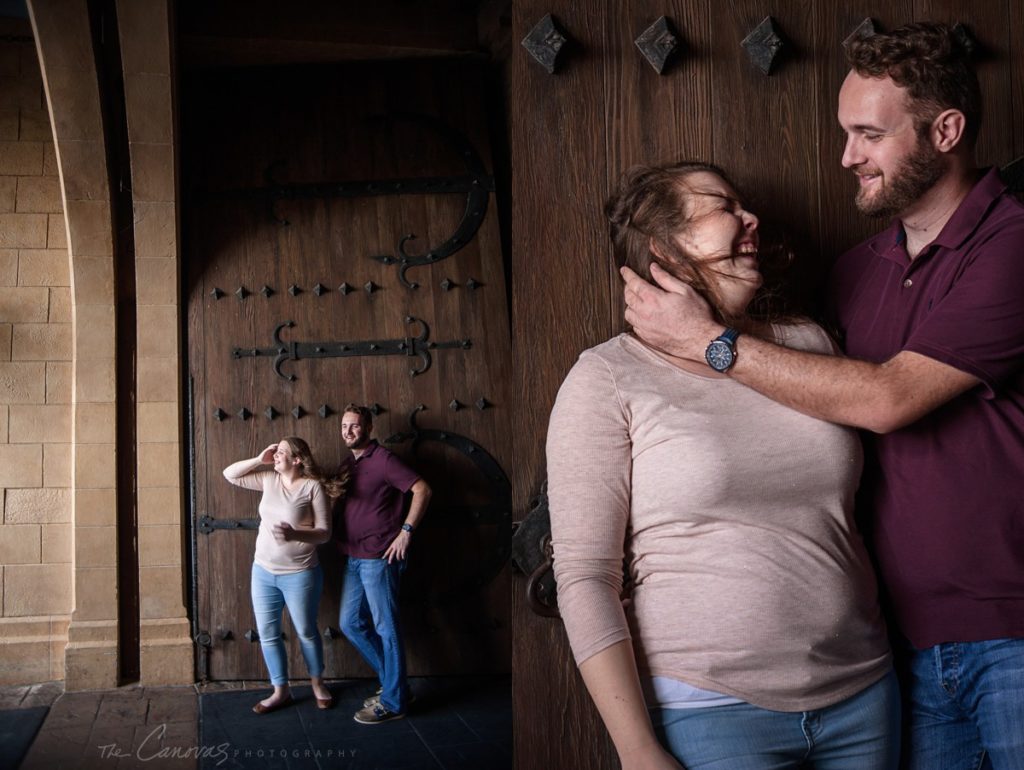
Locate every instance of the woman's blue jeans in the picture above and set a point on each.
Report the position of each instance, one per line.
(300, 592)
(966, 704)
(859, 733)
(369, 618)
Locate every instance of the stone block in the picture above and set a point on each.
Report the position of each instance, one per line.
(159, 465)
(156, 281)
(44, 267)
(96, 507)
(6, 334)
(168, 664)
(60, 305)
(40, 424)
(21, 465)
(95, 423)
(95, 547)
(160, 505)
(157, 332)
(24, 661)
(162, 592)
(34, 126)
(91, 228)
(8, 267)
(84, 163)
(90, 667)
(20, 544)
(148, 106)
(41, 342)
(56, 543)
(37, 589)
(56, 232)
(160, 546)
(56, 465)
(145, 38)
(95, 592)
(96, 332)
(94, 380)
(158, 379)
(23, 231)
(74, 94)
(21, 158)
(158, 422)
(50, 166)
(22, 383)
(152, 171)
(8, 125)
(58, 382)
(24, 304)
(37, 506)
(39, 194)
(4, 411)
(156, 229)
(8, 194)
(94, 280)
(95, 466)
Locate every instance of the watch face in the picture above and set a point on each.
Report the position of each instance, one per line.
(719, 355)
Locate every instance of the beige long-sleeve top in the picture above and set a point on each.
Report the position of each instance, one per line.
(735, 517)
(306, 505)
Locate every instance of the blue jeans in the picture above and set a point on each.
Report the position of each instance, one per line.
(369, 618)
(966, 706)
(300, 591)
(859, 733)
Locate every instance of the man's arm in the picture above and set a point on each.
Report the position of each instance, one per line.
(879, 397)
(399, 547)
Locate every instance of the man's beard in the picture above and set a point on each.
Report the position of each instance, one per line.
(916, 175)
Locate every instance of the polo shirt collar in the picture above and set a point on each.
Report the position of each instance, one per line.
(368, 452)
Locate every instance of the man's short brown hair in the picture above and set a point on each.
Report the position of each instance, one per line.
(365, 415)
(929, 62)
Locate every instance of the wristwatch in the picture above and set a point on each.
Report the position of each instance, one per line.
(407, 528)
(721, 352)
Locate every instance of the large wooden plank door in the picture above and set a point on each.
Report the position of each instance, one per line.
(320, 279)
(606, 108)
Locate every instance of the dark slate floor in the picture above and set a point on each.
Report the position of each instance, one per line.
(455, 724)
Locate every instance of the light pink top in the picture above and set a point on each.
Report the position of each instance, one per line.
(734, 515)
(305, 506)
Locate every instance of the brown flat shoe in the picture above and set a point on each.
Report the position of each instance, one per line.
(325, 703)
(259, 708)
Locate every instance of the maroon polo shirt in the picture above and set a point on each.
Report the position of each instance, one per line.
(373, 507)
(945, 495)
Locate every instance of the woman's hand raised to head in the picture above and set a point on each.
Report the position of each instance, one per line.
(267, 455)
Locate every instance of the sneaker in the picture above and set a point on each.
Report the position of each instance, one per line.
(373, 700)
(375, 714)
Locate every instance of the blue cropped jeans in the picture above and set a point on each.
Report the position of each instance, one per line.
(859, 733)
(300, 592)
(966, 706)
(369, 618)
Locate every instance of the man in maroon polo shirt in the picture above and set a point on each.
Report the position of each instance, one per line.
(375, 536)
(932, 311)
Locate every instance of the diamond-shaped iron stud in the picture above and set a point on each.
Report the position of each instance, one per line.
(473, 283)
(370, 287)
(865, 29)
(454, 405)
(297, 412)
(241, 292)
(545, 42)
(216, 293)
(219, 414)
(244, 413)
(266, 291)
(764, 45)
(447, 284)
(319, 289)
(270, 413)
(324, 411)
(967, 41)
(482, 403)
(658, 43)
(345, 289)
(376, 409)
(294, 290)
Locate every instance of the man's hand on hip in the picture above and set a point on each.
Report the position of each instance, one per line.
(399, 547)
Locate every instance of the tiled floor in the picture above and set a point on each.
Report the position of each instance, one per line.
(457, 723)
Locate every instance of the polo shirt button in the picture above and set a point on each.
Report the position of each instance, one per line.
(908, 283)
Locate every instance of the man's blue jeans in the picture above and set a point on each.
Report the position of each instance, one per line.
(966, 706)
(859, 733)
(300, 591)
(369, 618)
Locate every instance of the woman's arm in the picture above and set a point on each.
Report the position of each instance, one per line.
(319, 533)
(237, 472)
(612, 680)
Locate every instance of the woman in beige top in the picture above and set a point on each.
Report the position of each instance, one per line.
(749, 636)
(295, 517)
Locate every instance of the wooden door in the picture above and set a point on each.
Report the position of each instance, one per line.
(606, 108)
(306, 291)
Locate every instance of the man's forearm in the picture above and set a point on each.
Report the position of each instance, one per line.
(421, 493)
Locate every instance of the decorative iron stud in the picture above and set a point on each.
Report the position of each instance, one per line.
(297, 412)
(325, 411)
(241, 292)
(270, 412)
(370, 287)
(330, 633)
(251, 635)
(454, 405)
(658, 43)
(345, 289)
(967, 41)
(244, 413)
(482, 403)
(216, 293)
(294, 290)
(763, 45)
(447, 283)
(319, 289)
(376, 409)
(266, 291)
(545, 42)
(226, 635)
(865, 29)
(219, 414)
(473, 283)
